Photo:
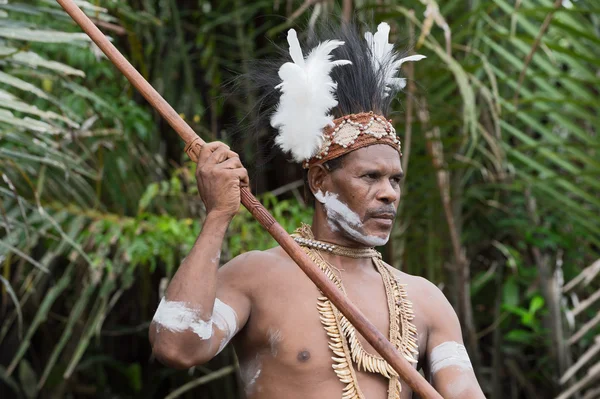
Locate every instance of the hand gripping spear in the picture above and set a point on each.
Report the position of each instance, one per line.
(193, 144)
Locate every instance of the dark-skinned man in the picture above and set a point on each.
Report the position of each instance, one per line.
(291, 341)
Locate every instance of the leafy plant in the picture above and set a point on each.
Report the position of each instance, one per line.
(98, 207)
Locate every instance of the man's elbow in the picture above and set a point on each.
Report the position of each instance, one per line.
(174, 359)
(178, 356)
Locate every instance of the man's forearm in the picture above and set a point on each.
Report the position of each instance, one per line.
(191, 325)
(195, 282)
(182, 328)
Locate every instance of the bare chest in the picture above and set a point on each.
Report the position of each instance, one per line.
(285, 346)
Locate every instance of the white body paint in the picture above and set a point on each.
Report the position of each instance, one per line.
(178, 317)
(225, 319)
(449, 354)
(253, 380)
(217, 258)
(339, 214)
(249, 374)
(274, 339)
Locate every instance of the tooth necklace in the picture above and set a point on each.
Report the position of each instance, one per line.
(343, 337)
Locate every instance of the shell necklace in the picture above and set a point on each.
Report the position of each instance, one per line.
(343, 337)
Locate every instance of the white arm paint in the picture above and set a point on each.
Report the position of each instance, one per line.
(178, 317)
(449, 354)
(224, 319)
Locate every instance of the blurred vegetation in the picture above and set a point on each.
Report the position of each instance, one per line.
(500, 203)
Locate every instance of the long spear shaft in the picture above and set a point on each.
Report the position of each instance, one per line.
(193, 145)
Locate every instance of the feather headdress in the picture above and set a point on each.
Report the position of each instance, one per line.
(307, 97)
(384, 57)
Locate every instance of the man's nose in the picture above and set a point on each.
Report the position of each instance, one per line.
(387, 193)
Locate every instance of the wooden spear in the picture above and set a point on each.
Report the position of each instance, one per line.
(193, 144)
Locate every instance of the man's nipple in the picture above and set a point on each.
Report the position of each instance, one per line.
(303, 356)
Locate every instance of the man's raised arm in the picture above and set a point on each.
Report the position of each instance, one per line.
(448, 363)
(198, 316)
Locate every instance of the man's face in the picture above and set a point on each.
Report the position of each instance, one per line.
(363, 195)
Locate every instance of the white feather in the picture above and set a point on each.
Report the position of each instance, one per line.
(307, 96)
(382, 55)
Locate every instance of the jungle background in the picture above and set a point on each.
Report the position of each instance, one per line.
(500, 206)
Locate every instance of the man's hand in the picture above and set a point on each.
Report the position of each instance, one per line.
(220, 175)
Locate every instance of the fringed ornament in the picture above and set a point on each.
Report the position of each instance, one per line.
(343, 338)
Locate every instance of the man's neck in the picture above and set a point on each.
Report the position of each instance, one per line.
(322, 231)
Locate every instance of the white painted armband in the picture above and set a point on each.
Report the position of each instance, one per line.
(178, 317)
(449, 354)
(225, 319)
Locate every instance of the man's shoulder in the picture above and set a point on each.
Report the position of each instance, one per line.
(418, 282)
(419, 289)
(260, 258)
(256, 263)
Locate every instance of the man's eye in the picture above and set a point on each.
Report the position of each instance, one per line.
(371, 176)
(396, 180)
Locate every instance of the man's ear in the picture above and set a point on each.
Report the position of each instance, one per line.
(318, 177)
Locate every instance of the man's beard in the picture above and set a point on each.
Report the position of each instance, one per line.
(343, 219)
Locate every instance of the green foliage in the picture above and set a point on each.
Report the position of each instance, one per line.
(97, 205)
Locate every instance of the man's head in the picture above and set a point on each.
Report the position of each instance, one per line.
(358, 194)
(331, 116)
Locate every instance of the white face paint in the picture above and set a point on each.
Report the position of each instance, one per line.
(178, 317)
(449, 354)
(340, 216)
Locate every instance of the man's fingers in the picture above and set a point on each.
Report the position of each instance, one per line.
(208, 149)
(231, 163)
(242, 175)
(220, 155)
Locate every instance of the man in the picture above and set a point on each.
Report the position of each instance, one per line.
(291, 341)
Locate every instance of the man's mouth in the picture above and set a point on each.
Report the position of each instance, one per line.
(389, 216)
(384, 218)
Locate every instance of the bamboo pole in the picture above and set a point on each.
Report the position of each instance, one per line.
(193, 145)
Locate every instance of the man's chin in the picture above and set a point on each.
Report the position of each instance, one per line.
(380, 228)
(374, 238)
(375, 235)
(375, 241)
(382, 224)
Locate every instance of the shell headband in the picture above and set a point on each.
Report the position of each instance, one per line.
(306, 128)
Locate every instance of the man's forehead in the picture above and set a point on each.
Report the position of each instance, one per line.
(378, 155)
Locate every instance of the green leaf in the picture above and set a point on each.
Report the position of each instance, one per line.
(150, 193)
(43, 36)
(537, 302)
(134, 376)
(521, 336)
(28, 379)
(10, 382)
(22, 85)
(15, 300)
(510, 293)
